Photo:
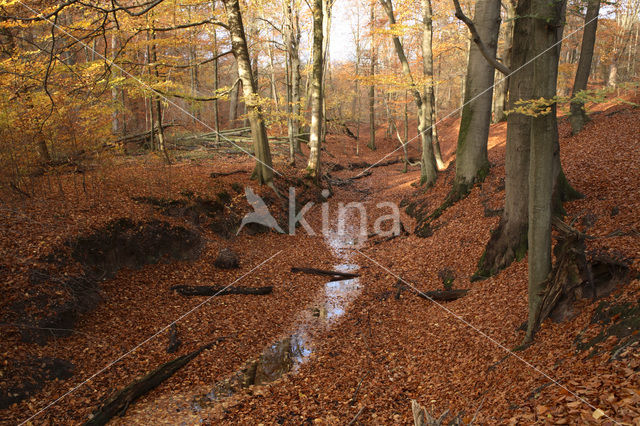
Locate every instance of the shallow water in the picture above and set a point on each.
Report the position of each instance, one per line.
(287, 354)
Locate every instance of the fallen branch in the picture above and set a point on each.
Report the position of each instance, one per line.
(118, 403)
(207, 290)
(219, 174)
(324, 272)
(353, 421)
(443, 295)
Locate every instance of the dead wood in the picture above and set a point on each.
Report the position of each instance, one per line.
(118, 403)
(219, 174)
(443, 295)
(207, 290)
(434, 295)
(574, 276)
(326, 273)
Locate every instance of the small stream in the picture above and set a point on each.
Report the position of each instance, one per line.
(288, 354)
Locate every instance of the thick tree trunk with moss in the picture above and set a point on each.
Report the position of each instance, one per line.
(263, 171)
(472, 162)
(544, 131)
(313, 166)
(428, 168)
(509, 240)
(578, 116)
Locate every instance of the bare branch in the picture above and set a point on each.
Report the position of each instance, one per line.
(478, 41)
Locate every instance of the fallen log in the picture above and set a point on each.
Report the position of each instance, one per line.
(326, 273)
(443, 295)
(117, 404)
(219, 174)
(140, 136)
(207, 290)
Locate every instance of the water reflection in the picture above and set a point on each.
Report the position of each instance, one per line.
(288, 354)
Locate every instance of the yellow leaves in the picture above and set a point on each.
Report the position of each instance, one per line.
(541, 106)
(598, 414)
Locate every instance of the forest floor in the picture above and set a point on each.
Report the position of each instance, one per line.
(361, 355)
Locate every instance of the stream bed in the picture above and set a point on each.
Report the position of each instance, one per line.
(287, 354)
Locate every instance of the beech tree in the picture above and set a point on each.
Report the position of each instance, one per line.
(315, 130)
(544, 134)
(372, 87)
(504, 54)
(263, 171)
(578, 114)
(509, 240)
(472, 163)
(428, 167)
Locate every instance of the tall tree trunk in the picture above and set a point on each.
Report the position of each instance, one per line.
(434, 132)
(272, 78)
(504, 52)
(612, 75)
(427, 70)
(509, 240)
(356, 96)
(428, 168)
(472, 163)
(263, 171)
(157, 117)
(234, 97)
(313, 166)
(115, 98)
(372, 88)
(544, 130)
(216, 115)
(43, 150)
(292, 38)
(578, 114)
(326, 38)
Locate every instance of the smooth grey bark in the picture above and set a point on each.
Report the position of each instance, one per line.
(293, 36)
(263, 171)
(115, 95)
(356, 98)
(234, 98)
(437, 152)
(427, 69)
(472, 163)
(272, 78)
(578, 116)
(372, 88)
(156, 104)
(428, 168)
(508, 242)
(544, 133)
(315, 129)
(216, 115)
(501, 88)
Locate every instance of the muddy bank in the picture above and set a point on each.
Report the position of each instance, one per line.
(59, 294)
